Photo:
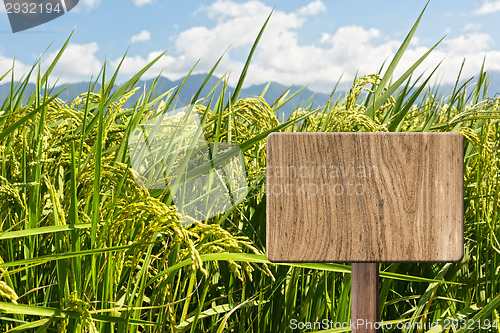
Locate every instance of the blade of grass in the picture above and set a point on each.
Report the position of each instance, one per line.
(243, 74)
(377, 100)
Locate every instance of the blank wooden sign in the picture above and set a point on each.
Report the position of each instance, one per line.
(365, 197)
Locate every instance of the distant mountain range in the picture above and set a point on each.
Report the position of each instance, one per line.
(194, 82)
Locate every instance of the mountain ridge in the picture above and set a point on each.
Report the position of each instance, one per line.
(194, 82)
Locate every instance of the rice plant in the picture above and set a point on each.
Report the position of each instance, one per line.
(85, 248)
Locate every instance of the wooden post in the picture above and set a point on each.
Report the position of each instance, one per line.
(365, 198)
(364, 297)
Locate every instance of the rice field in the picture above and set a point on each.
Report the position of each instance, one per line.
(85, 248)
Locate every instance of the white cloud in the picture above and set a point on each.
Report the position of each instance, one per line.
(312, 8)
(474, 27)
(131, 65)
(142, 36)
(283, 58)
(473, 47)
(85, 5)
(281, 55)
(469, 44)
(223, 9)
(488, 8)
(20, 69)
(142, 2)
(78, 63)
(237, 27)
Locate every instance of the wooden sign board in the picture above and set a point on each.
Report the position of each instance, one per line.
(365, 197)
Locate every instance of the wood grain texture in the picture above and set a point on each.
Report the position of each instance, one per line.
(364, 297)
(365, 197)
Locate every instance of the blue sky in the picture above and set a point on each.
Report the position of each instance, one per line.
(307, 42)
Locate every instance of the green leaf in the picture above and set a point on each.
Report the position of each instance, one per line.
(260, 258)
(43, 230)
(243, 74)
(379, 98)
